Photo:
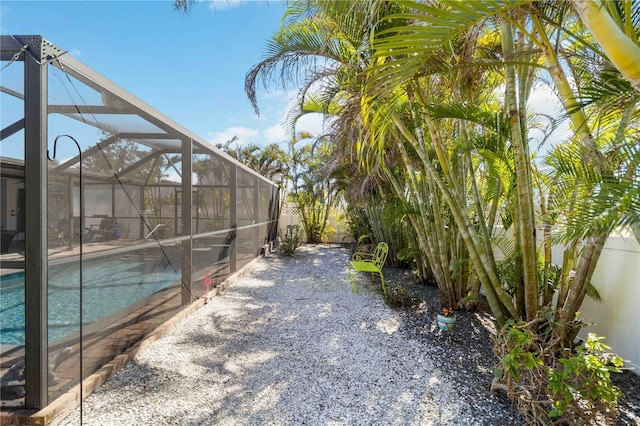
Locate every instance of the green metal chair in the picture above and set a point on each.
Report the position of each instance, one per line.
(369, 262)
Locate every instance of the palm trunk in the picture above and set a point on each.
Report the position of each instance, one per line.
(519, 296)
(498, 299)
(547, 294)
(477, 204)
(568, 261)
(576, 114)
(578, 290)
(493, 212)
(618, 46)
(523, 187)
(432, 240)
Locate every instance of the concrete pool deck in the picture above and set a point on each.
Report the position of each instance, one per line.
(13, 262)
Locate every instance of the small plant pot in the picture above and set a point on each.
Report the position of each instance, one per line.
(446, 323)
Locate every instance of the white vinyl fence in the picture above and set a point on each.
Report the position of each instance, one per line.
(617, 316)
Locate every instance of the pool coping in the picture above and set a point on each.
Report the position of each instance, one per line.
(61, 407)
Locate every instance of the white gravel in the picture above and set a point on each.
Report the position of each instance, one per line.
(286, 344)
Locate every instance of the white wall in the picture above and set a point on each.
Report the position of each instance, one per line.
(289, 216)
(617, 317)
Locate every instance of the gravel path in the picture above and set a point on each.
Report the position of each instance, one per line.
(290, 344)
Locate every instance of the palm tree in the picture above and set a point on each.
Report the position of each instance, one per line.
(270, 161)
(406, 54)
(312, 187)
(600, 108)
(612, 25)
(532, 37)
(333, 41)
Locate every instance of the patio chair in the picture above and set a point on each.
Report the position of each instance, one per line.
(369, 262)
(103, 232)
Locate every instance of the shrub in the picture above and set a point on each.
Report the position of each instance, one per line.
(291, 240)
(556, 386)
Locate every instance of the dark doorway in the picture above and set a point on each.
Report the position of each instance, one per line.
(20, 213)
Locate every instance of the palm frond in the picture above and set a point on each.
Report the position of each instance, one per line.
(308, 47)
(499, 168)
(505, 244)
(406, 50)
(593, 293)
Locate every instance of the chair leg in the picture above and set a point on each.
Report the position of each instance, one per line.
(384, 289)
(355, 277)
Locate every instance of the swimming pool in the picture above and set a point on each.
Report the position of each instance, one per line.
(110, 284)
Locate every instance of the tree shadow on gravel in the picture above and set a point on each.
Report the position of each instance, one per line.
(472, 346)
(288, 343)
(275, 367)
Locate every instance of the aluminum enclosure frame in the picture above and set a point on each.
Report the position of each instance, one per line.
(38, 54)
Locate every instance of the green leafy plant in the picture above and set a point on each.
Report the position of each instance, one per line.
(312, 188)
(329, 231)
(585, 377)
(291, 240)
(357, 224)
(519, 354)
(556, 387)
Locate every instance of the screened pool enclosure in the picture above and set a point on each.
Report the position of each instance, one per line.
(113, 218)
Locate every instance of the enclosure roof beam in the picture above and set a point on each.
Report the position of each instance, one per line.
(86, 109)
(11, 92)
(45, 52)
(144, 160)
(72, 111)
(40, 49)
(107, 88)
(102, 144)
(11, 129)
(93, 79)
(141, 136)
(9, 47)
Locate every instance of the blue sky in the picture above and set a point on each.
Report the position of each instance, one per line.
(189, 67)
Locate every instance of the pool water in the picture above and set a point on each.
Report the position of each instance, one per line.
(110, 284)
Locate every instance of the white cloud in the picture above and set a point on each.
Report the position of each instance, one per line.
(274, 134)
(311, 123)
(244, 135)
(544, 101)
(219, 5)
(276, 102)
(269, 129)
(276, 93)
